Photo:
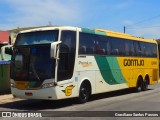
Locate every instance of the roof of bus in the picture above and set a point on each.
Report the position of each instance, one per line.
(123, 35)
(93, 31)
(48, 28)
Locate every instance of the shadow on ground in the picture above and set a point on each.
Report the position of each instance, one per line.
(28, 105)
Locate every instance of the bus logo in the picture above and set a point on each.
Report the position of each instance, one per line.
(68, 90)
(133, 62)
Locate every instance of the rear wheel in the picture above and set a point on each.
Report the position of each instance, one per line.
(139, 86)
(84, 93)
(145, 85)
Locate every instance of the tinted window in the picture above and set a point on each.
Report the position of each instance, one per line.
(148, 51)
(86, 43)
(117, 46)
(154, 50)
(138, 51)
(67, 55)
(129, 48)
(68, 42)
(39, 37)
(102, 45)
(143, 49)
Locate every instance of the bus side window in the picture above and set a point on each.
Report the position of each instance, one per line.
(137, 48)
(115, 51)
(108, 50)
(102, 45)
(117, 45)
(132, 49)
(148, 50)
(91, 50)
(127, 49)
(86, 43)
(143, 49)
(154, 50)
(82, 50)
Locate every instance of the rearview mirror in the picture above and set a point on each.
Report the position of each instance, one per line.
(6, 49)
(53, 52)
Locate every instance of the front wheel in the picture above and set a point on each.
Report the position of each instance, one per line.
(84, 93)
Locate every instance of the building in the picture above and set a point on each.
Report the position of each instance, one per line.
(4, 37)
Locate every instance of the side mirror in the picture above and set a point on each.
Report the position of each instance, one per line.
(9, 50)
(53, 52)
(4, 49)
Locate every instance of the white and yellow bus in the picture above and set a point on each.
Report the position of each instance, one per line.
(64, 62)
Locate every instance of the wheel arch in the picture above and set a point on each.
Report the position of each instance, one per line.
(88, 82)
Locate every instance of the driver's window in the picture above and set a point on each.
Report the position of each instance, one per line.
(67, 55)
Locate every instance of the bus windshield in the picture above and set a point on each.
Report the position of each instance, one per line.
(32, 63)
(31, 56)
(38, 37)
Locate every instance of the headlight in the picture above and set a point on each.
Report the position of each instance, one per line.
(48, 85)
(13, 85)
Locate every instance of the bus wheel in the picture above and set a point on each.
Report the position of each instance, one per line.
(145, 85)
(139, 86)
(84, 92)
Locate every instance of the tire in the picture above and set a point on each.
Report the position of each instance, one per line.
(139, 86)
(84, 93)
(145, 85)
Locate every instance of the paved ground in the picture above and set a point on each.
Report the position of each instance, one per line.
(6, 98)
(124, 100)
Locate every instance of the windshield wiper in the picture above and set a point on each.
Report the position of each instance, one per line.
(34, 71)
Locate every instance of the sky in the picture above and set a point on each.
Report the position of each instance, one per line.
(140, 17)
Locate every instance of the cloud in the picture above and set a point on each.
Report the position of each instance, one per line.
(41, 12)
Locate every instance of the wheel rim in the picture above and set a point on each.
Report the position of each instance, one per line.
(83, 94)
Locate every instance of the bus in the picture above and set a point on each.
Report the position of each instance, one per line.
(61, 62)
(158, 41)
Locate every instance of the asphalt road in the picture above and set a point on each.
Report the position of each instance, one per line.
(118, 102)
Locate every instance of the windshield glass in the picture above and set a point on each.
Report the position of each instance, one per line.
(41, 65)
(32, 63)
(38, 37)
(31, 59)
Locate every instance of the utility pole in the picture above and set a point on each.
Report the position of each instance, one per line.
(50, 23)
(124, 29)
